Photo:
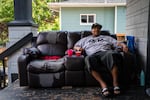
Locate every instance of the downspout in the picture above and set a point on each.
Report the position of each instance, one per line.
(115, 22)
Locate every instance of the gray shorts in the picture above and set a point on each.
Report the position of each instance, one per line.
(105, 59)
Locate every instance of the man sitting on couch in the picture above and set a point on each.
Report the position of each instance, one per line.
(98, 49)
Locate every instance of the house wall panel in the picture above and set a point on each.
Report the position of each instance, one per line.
(137, 25)
(70, 18)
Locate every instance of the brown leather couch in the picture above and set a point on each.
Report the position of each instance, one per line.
(46, 63)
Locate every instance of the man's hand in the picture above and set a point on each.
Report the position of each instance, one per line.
(78, 48)
(124, 47)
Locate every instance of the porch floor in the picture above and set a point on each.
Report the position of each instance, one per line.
(15, 92)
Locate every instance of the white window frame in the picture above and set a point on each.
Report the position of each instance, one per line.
(94, 15)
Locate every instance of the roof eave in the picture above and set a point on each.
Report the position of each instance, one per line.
(57, 6)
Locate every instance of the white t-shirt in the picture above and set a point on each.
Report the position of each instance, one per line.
(92, 44)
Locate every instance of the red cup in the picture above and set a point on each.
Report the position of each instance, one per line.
(78, 53)
(70, 52)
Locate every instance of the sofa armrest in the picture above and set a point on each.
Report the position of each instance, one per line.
(74, 63)
(23, 61)
(33, 52)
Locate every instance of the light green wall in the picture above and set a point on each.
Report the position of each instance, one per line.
(121, 19)
(70, 18)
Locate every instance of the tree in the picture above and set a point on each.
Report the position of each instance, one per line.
(6, 15)
(46, 19)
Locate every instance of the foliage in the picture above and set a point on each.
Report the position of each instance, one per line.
(46, 19)
(6, 15)
(3, 34)
(6, 10)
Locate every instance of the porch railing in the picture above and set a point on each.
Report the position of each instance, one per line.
(12, 49)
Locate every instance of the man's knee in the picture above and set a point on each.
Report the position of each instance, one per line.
(89, 58)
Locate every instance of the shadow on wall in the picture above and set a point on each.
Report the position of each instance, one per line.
(141, 60)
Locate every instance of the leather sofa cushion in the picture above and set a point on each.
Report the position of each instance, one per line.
(46, 66)
(85, 33)
(103, 32)
(52, 49)
(52, 37)
(72, 38)
(47, 80)
(74, 63)
(75, 78)
(52, 43)
(33, 52)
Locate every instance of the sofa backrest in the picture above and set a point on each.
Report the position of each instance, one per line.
(72, 38)
(103, 32)
(55, 43)
(52, 43)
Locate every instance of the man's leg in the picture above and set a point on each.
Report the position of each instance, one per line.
(97, 76)
(114, 72)
(93, 65)
(103, 85)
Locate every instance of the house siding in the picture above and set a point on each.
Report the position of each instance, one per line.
(93, 1)
(137, 25)
(70, 18)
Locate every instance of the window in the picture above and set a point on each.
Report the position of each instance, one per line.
(87, 19)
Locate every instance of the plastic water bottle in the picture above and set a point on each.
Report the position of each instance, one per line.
(142, 78)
